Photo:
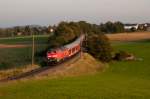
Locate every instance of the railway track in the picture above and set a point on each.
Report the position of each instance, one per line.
(43, 71)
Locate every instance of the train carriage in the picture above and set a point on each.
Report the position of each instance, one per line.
(59, 54)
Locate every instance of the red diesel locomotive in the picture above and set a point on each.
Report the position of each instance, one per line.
(59, 54)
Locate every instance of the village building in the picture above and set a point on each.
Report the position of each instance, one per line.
(143, 27)
(148, 29)
(131, 26)
(19, 33)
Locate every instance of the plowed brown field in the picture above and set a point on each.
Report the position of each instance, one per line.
(129, 36)
(12, 46)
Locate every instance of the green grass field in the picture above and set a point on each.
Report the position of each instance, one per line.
(122, 80)
(39, 39)
(18, 57)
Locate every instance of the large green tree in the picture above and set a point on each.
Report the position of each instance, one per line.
(99, 47)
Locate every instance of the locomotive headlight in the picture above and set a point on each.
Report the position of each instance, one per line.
(52, 56)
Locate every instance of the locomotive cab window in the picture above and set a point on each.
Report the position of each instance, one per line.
(54, 51)
(69, 51)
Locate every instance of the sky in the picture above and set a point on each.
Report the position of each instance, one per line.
(50, 12)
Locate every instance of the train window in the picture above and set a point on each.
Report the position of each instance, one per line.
(69, 51)
(77, 48)
(73, 50)
(54, 51)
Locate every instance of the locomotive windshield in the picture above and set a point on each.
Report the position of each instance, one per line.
(52, 51)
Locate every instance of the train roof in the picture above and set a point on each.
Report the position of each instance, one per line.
(75, 43)
(57, 49)
(68, 46)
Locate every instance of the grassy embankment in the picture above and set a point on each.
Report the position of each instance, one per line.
(122, 80)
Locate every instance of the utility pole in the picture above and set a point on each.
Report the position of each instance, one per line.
(81, 45)
(33, 47)
(81, 54)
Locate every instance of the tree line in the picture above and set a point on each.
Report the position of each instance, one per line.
(24, 30)
(112, 27)
(108, 27)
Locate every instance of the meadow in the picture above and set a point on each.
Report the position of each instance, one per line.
(122, 80)
(24, 40)
(20, 56)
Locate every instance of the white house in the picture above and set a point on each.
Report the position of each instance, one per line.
(130, 26)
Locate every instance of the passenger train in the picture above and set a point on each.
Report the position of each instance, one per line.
(58, 55)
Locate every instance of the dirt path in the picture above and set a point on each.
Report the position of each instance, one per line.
(12, 46)
(129, 36)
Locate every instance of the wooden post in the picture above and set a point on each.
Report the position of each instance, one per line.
(33, 47)
(81, 53)
(81, 49)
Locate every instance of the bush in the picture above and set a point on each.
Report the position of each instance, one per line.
(122, 55)
(99, 47)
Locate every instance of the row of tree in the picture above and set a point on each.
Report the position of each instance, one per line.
(108, 27)
(24, 30)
